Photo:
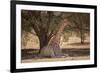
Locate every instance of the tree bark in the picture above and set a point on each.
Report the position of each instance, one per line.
(82, 37)
(50, 47)
(43, 41)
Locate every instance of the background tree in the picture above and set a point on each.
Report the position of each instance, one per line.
(80, 25)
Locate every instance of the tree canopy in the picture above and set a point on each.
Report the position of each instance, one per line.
(51, 24)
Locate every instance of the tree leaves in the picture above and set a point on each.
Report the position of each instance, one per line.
(49, 22)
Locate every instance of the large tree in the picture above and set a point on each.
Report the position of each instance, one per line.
(48, 27)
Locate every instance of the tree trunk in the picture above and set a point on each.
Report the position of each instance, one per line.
(82, 37)
(50, 47)
(43, 42)
(54, 43)
(82, 41)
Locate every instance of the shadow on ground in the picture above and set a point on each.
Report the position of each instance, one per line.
(31, 53)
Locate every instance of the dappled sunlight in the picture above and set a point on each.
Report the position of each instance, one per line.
(32, 43)
(74, 42)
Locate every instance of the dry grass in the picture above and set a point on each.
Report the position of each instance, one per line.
(55, 59)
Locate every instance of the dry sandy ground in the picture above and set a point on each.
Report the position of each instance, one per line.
(56, 59)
